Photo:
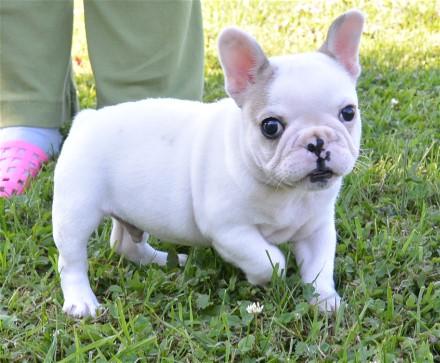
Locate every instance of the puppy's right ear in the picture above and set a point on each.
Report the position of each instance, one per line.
(242, 60)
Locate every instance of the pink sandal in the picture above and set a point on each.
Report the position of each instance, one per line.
(19, 160)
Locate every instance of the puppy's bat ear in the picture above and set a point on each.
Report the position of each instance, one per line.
(343, 41)
(242, 60)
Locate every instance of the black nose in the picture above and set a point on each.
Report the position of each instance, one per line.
(322, 172)
(316, 148)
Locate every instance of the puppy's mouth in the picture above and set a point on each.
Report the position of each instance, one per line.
(321, 175)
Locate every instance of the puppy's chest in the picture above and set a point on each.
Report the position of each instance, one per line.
(286, 225)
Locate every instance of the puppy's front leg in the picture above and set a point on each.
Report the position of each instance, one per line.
(245, 248)
(315, 255)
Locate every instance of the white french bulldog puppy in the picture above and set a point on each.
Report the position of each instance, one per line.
(242, 175)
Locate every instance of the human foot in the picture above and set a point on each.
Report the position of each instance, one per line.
(23, 151)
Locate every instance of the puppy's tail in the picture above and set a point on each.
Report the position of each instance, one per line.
(83, 115)
(82, 118)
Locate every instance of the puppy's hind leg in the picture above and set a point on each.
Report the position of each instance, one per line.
(71, 233)
(131, 243)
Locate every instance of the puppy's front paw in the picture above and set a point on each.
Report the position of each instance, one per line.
(81, 306)
(261, 273)
(327, 302)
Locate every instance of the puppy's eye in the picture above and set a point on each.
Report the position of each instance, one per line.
(272, 128)
(347, 113)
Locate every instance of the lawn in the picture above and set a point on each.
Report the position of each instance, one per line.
(388, 221)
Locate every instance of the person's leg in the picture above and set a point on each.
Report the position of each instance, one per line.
(141, 49)
(35, 85)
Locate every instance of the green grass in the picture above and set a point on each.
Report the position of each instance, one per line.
(388, 218)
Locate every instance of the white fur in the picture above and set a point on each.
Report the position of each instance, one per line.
(203, 174)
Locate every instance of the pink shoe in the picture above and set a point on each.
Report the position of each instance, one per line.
(19, 160)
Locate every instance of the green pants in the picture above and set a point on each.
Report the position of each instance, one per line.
(137, 49)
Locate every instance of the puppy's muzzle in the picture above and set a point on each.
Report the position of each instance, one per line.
(322, 173)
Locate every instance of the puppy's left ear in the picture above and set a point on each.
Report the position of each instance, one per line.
(242, 61)
(343, 41)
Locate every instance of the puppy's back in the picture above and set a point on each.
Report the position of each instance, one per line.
(135, 158)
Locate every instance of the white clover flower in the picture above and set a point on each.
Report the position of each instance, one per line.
(254, 308)
(394, 102)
